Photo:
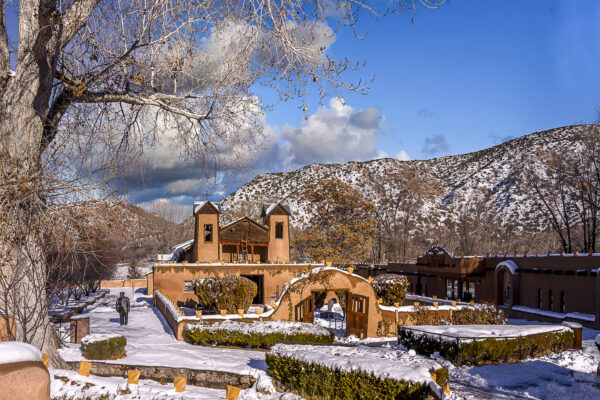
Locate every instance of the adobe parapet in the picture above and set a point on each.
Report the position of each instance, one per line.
(171, 277)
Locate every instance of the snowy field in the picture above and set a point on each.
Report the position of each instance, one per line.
(150, 342)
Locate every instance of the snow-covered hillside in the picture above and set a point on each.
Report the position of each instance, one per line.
(496, 172)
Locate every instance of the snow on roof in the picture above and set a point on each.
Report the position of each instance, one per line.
(269, 207)
(240, 219)
(199, 204)
(437, 250)
(511, 265)
(13, 352)
(557, 315)
(184, 245)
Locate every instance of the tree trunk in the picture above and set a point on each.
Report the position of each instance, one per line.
(24, 102)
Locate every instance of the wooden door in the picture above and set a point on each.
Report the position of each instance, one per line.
(357, 315)
(304, 311)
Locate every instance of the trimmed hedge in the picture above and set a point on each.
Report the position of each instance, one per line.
(230, 293)
(255, 334)
(488, 351)
(390, 288)
(315, 380)
(481, 314)
(108, 349)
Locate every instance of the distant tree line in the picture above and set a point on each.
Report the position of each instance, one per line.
(562, 192)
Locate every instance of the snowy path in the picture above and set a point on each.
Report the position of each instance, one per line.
(150, 340)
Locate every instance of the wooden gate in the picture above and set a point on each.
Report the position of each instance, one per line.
(304, 311)
(357, 316)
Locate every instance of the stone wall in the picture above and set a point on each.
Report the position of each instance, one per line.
(197, 377)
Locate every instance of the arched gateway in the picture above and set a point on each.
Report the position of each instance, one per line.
(356, 296)
(507, 289)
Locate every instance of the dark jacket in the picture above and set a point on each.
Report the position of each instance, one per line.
(123, 305)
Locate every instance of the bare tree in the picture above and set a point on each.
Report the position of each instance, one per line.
(173, 228)
(95, 82)
(400, 214)
(566, 191)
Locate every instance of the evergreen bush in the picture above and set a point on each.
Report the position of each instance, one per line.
(316, 381)
(256, 334)
(481, 314)
(229, 293)
(390, 288)
(111, 348)
(488, 351)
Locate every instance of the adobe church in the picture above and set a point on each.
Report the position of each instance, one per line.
(256, 248)
(244, 240)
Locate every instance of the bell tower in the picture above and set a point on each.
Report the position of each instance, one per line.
(206, 237)
(277, 217)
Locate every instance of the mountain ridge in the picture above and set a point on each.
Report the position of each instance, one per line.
(497, 170)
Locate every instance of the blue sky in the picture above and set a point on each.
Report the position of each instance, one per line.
(461, 78)
(474, 73)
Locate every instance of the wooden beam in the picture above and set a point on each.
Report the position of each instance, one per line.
(249, 244)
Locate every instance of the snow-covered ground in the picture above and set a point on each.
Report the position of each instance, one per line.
(71, 385)
(122, 270)
(568, 375)
(335, 320)
(150, 342)
(467, 332)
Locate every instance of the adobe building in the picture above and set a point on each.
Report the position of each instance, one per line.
(542, 286)
(256, 248)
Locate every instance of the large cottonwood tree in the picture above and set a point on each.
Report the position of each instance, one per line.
(89, 82)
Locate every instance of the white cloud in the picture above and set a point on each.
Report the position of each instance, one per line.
(334, 134)
(402, 156)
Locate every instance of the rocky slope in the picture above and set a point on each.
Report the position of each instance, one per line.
(495, 174)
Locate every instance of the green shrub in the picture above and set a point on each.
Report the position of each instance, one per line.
(111, 348)
(488, 351)
(481, 314)
(230, 293)
(313, 380)
(390, 288)
(256, 334)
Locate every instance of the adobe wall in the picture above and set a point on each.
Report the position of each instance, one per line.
(279, 249)
(559, 274)
(170, 278)
(24, 380)
(334, 280)
(206, 251)
(123, 283)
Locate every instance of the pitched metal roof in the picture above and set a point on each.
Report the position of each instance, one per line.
(199, 204)
(269, 207)
(240, 220)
